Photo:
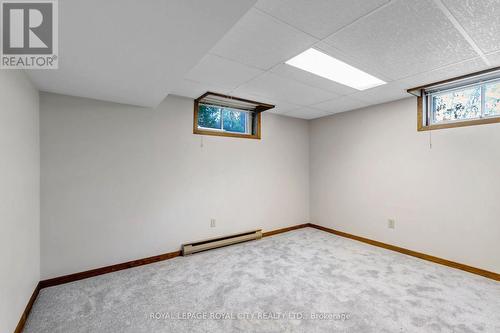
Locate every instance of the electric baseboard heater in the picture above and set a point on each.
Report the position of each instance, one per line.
(220, 241)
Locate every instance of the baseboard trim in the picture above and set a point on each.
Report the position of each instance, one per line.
(27, 310)
(445, 262)
(134, 263)
(107, 269)
(114, 268)
(282, 230)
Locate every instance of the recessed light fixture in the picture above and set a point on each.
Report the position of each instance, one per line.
(323, 65)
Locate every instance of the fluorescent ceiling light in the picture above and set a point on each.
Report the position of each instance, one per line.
(322, 64)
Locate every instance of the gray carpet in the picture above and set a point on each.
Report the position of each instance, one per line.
(302, 281)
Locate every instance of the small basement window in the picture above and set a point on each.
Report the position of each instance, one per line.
(222, 115)
(469, 100)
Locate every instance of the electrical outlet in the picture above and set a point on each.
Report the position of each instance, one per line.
(391, 223)
(212, 223)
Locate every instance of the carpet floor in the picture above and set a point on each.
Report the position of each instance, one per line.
(301, 281)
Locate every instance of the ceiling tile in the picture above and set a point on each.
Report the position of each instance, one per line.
(280, 106)
(388, 92)
(134, 52)
(367, 65)
(276, 87)
(445, 73)
(481, 20)
(345, 103)
(306, 113)
(192, 89)
(293, 73)
(494, 58)
(262, 41)
(404, 38)
(319, 18)
(222, 72)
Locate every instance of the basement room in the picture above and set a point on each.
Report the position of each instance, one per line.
(297, 166)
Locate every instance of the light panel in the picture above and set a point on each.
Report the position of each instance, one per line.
(323, 65)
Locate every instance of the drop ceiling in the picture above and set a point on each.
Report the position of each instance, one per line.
(152, 48)
(134, 52)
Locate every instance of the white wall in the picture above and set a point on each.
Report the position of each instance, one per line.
(371, 164)
(19, 196)
(121, 182)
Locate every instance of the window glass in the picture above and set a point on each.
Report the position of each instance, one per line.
(223, 115)
(234, 121)
(492, 99)
(457, 105)
(209, 116)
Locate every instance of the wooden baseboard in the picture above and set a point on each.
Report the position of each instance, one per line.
(26, 312)
(134, 263)
(108, 269)
(445, 262)
(279, 231)
(113, 268)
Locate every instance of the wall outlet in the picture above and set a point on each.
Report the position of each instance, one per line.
(391, 223)
(212, 223)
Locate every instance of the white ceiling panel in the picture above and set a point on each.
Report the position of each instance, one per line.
(134, 52)
(494, 59)
(293, 73)
(388, 92)
(138, 53)
(319, 18)
(306, 113)
(341, 104)
(280, 106)
(367, 65)
(444, 73)
(222, 72)
(404, 38)
(262, 41)
(193, 89)
(275, 87)
(481, 20)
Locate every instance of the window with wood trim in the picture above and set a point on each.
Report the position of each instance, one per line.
(222, 115)
(468, 100)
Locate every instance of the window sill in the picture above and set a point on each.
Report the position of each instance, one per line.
(232, 135)
(458, 124)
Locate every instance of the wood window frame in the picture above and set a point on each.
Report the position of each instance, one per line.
(256, 121)
(419, 92)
